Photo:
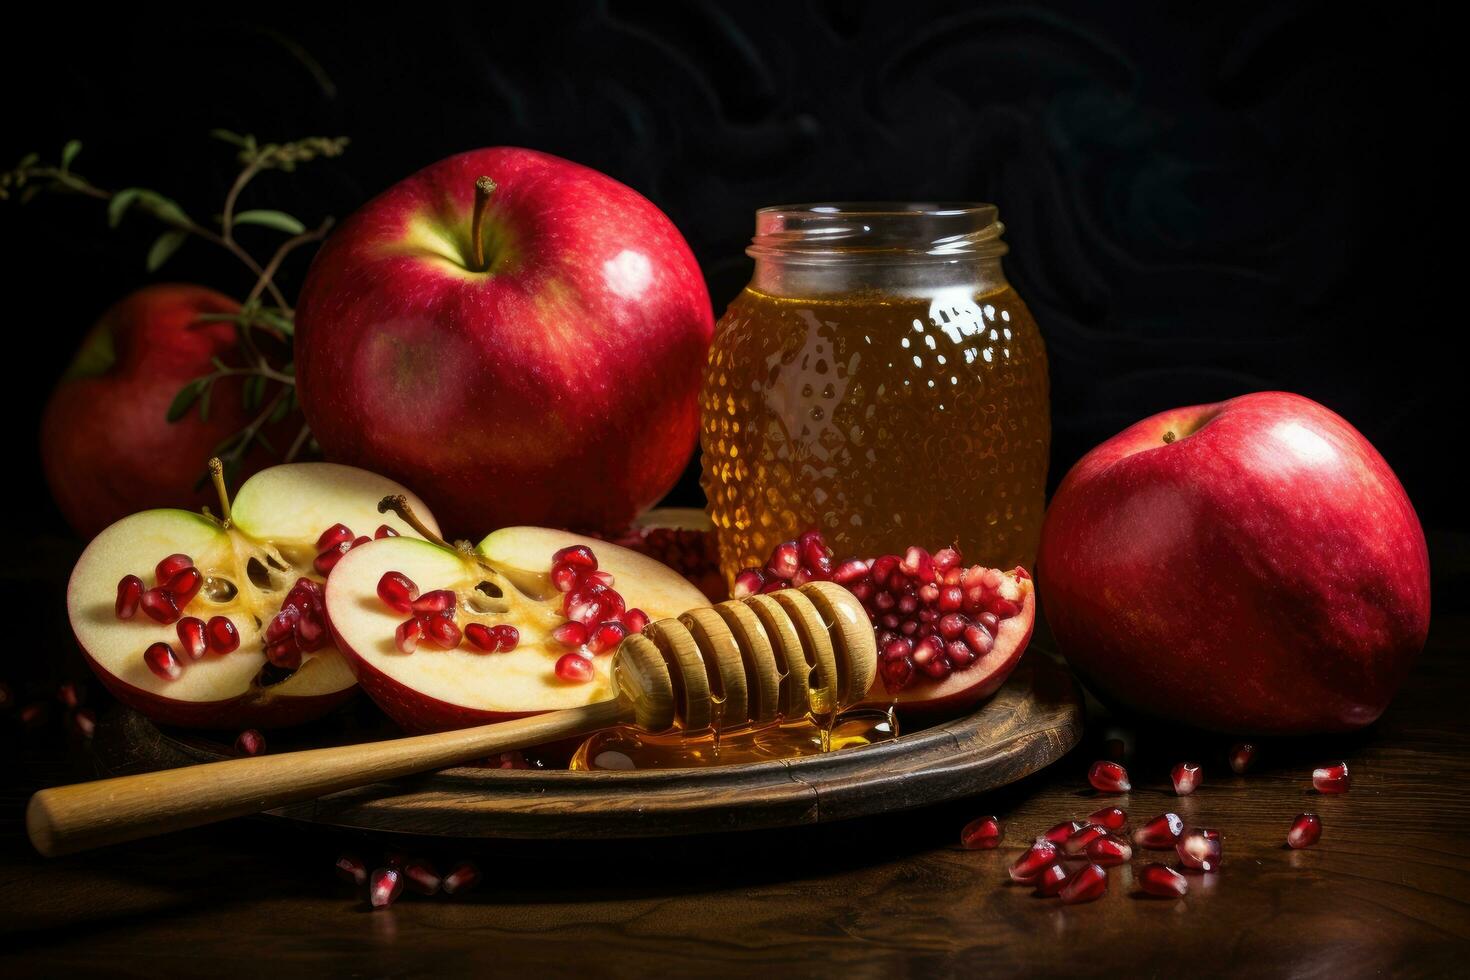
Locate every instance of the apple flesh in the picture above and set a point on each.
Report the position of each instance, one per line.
(105, 463)
(564, 365)
(1248, 566)
(505, 580)
(249, 567)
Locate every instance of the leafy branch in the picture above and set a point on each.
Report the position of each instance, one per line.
(265, 311)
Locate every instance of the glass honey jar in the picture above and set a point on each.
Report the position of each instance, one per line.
(879, 380)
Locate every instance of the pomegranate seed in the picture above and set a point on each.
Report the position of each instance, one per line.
(311, 632)
(601, 578)
(1332, 778)
(34, 716)
(1076, 845)
(1108, 850)
(464, 877)
(850, 571)
(421, 878)
(606, 637)
(1162, 882)
(982, 834)
(785, 560)
(84, 720)
(570, 635)
(1186, 777)
(351, 870)
(1087, 885)
(979, 639)
(282, 624)
(574, 668)
(164, 663)
(250, 742)
(635, 620)
(191, 637)
(384, 531)
(429, 603)
(507, 637)
(1199, 850)
(442, 631)
(1108, 777)
(946, 560)
(165, 570)
(129, 591)
(1305, 831)
(952, 626)
(988, 620)
(1030, 865)
(68, 695)
(481, 637)
(1241, 756)
(917, 564)
(1159, 834)
(185, 585)
(576, 554)
(592, 604)
(334, 536)
(385, 885)
(397, 591)
(748, 582)
(1052, 880)
(816, 557)
(896, 674)
(1063, 830)
(406, 637)
(221, 635)
(565, 577)
(285, 654)
(1111, 817)
(327, 560)
(160, 606)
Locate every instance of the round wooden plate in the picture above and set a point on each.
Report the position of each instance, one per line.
(1031, 722)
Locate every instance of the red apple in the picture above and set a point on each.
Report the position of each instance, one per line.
(107, 446)
(1248, 566)
(550, 380)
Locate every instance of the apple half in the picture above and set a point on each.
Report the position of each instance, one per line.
(504, 580)
(250, 562)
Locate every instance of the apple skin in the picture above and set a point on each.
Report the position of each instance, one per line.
(107, 447)
(559, 388)
(1263, 573)
(255, 709)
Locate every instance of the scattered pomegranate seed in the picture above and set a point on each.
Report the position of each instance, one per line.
(464, 877)
(591, 604)
(1332, 779)
(351, 869)
(576, 554)
(285, 654)
(84, 720)
(250, 742)
(1111, 817)
(1186, 777)
(35, 715)
(606, 637)
(602, 578)
(384, 887)
(1241, 756)
(334, 536)
(1087, 885)
(185, 585)
(129, 591)
(421, 878)
(398, 591)
(442, 631)
(635, 620)
(1305, 831)
(1108, 850)
(1052, 880)
(327, 560)
(565, 577)
(1029, 866)
(165, 570)
(282, 626)
(384, 531)
(1162, 882)
(1199, 850)
(507, 637)
(850, 571)
(191, 637)
(747, 583)
(438, 601)
(1108, 777)
(785, 560)
(164, 663)
(1076, 845)
(1063, 830)
(570, 635)
(160, 606)
(982, 834)
(481, 637)
(69, 695)
(1159, 834)
(575, 668)
(222, 635)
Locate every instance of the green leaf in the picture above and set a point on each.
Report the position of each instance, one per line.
(254, 391)
(163, 208)
(164, 246)
(279, 220)
(275, 321)
(186, 398)
(28, 161)
(119, 204)
(69, 153)
(204, 403)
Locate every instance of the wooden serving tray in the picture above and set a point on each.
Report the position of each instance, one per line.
(1031, 722)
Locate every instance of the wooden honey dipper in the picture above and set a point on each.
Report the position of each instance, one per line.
(758, 659)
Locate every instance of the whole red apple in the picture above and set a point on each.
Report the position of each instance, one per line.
(527, 354)
(1249, 566)
(107, 446)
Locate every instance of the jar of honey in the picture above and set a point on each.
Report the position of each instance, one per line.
(878, 380)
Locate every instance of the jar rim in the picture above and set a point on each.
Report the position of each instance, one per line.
(883, 231)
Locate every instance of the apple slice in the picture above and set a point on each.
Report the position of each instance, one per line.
(506, 580)
(248, 563)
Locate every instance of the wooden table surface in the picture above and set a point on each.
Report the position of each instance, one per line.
(1386, 892)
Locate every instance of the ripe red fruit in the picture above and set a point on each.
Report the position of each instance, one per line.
(84, 720)
(481, 637)
(351, 869)
(421, 878)
(1305, 831)
(384, 887)
(635, 620)
(334, 537)
(507, 637)
(406, 637)
(1265, 498)
(441, 630)
(462, 878)
(250, 742)
(438, 601)
(1159, 834)
(1108, 850)
(1064, 830)
(192, 639)
(1108, 777)
(129, 591)
(1077, 844)
(397, 591)
(982, 834)
(160, 606)
(1112, 817)
(1052, 880)
(168, 567)
(606, 637)
(1186, 777)
(184, 585)
(1029, 865)
(164, 663)
(1241, 756)
(1087, 885)
(1332, 779)
(1162, 882)
(1199, 850)
(578, 556)
(222, 635)
(570, 635)
(574, 668)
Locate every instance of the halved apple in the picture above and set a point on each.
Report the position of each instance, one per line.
(250, 558)
(505, 580)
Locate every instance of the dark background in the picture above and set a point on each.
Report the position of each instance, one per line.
(1200, 202)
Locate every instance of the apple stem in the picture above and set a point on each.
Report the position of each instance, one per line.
(1169, 437)
(398, 504)
(484, 187)
(217, 477)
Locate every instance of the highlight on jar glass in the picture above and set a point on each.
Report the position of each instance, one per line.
(880, 380)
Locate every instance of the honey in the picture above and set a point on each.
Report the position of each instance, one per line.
(878, 380)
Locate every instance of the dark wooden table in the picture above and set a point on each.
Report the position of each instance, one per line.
(1386, 892)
